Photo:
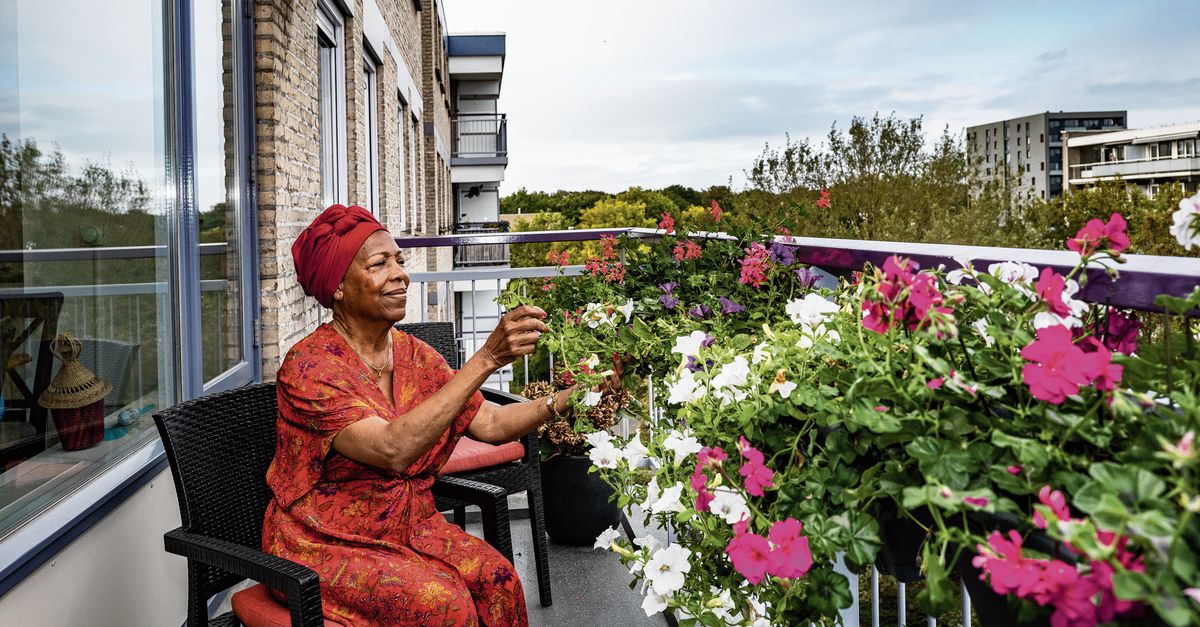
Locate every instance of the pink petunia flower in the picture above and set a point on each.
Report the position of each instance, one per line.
(1121, 333)
(1014, 470)
(934, 384)
(699, 483)
(750, 554)
(757, 475)
(790, 556)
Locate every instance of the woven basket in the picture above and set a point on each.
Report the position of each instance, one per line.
(75, 386)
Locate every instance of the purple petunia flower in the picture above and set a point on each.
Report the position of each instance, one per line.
(693, 364)
(701, 311)
(729, 307)
(668, 301)
(667, 288)
(708, 341)
(782, 254)
(807, 276)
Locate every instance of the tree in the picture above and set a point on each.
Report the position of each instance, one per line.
(654, 203)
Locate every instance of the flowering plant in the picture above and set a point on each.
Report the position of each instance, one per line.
(800, 421)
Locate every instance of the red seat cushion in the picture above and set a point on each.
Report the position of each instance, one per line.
(472, 454)
(255, 607)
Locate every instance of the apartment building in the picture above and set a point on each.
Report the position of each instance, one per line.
(1027, 151)
(160, 159)
(1152, 158)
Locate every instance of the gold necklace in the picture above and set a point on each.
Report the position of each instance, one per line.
(377, 371)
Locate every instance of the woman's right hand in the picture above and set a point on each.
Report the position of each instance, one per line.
(515, 336)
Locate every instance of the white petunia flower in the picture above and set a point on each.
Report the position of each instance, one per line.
(1045, 319)
(647, 542)
(654, 602)
(732, 374)
(597, 438)
(785, 389)
(606, 538)
(728, 505)
(812, 309)
(669, 500)
(667, 568)
(626, 309)
(685, 389)
(1019, 275)
(981, 326)
(689, 345)
(596, 314)
(605, 455)
(634, 451)
(592, 361)
(1185, 222)
(809, 334)
(591, 399)
(682, 444)
(760, 354)
(652, 495)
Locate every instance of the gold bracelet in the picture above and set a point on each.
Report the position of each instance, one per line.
(552, 405)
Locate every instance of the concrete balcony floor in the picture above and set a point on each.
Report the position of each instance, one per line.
(590, 587)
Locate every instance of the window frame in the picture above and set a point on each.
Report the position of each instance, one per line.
(371, 127)
(330, 36)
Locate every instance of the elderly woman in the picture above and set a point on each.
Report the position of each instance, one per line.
(367, 417)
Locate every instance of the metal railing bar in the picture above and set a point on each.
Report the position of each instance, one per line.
(102, 252)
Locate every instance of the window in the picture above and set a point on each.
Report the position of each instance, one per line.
(370, 119)
(1028, 167)
(331, 90)
(1043, 194)
(1041, 138)
(1043, 168)
(1187, 148)
(1018, 140)
(156, 316)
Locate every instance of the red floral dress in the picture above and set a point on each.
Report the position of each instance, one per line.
(384, 554)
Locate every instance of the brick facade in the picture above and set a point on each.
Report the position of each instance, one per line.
(287, 106)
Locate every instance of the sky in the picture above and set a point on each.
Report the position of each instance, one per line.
(608, 95)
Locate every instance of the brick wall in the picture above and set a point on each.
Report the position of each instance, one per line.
(289, 141)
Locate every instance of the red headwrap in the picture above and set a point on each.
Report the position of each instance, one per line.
(325, 248)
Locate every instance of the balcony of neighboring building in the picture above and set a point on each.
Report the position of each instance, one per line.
(480, 150)
(483, 254)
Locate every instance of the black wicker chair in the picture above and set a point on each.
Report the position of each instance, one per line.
(523, 475)
(219, 448)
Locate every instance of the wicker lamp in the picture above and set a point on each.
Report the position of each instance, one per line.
(75, 397)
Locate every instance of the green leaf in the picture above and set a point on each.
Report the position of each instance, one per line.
(1132, 585)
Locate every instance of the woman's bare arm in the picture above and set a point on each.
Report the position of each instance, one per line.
(396, 445)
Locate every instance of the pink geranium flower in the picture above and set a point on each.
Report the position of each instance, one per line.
(823, 201)
(1059, 367)
(1057, 503)
(1099, 235)
(789, 556)
(750, 555)
(977, 501)
(1050, 285)
(667, 223)
(757, 475)
(716, 211)
(755, 265)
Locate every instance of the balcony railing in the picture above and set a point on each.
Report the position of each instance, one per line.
(479, 136)
(472, 255)
(1141, 279)
(1175, 165)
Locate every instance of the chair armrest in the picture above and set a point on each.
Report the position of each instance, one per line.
(501, 398)
(493, 508)
(533, 451)
(299, 583)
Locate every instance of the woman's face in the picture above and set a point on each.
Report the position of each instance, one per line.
(375, 286)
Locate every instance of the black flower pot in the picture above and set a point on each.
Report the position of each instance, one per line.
(901, 540)
(576, 502)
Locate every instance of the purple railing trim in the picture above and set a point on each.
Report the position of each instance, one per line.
(1142, 277)
(529, 237)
